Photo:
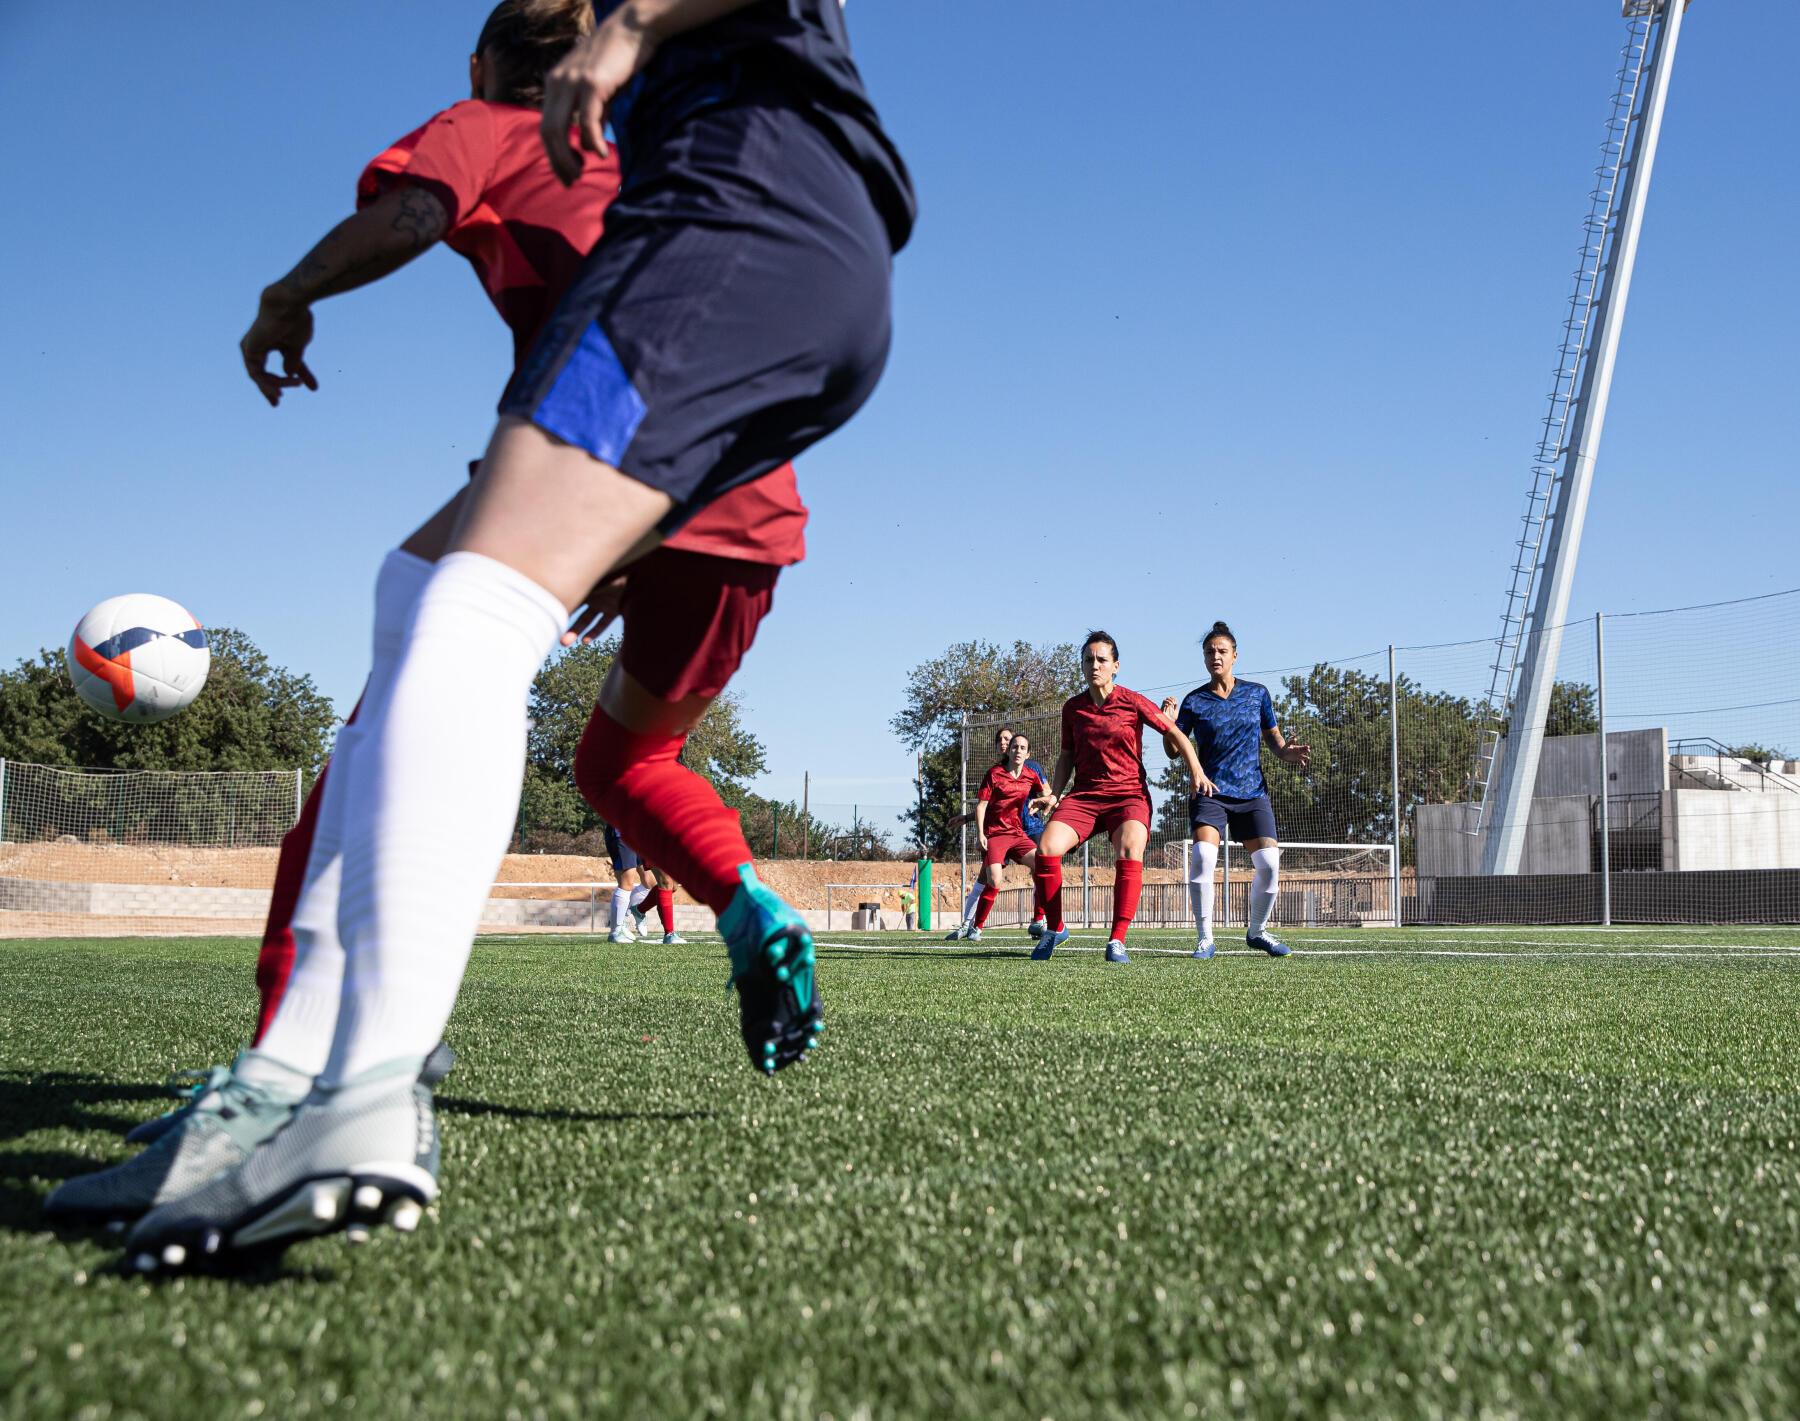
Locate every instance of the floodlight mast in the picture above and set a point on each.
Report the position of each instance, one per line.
(1525, 669)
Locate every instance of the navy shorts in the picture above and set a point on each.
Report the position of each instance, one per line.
(734, 312)
(624, 857)
(1244, 818)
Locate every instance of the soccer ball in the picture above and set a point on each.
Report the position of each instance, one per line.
(138, 658)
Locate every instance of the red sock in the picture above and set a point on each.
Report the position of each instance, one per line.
(275, 959)
(1048, 875)
(982, 908)
(665, 909)
(1037, 898)
(1128, 883)
(670, 815)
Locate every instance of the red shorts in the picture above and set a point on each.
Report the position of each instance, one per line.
(1088, 810)
(1007, 847)
(689, 619)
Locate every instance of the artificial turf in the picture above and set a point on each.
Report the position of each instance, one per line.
(1545, 1172)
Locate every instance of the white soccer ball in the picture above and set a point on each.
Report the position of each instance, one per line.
(138, 658)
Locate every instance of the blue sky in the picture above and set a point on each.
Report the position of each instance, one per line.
(1214, 310)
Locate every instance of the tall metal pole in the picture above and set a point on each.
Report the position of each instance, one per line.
(299, 797)
(1394, 757)
(962, 807)
(1505, 845)
(2, 801)
(1605, 797)
(806, 816)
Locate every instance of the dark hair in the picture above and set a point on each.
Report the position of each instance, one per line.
(1219, 629)
(1017, 735)
(1106, 637)
(523, 39)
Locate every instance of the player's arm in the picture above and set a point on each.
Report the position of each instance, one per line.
(1179, 746)
(381, 238)
(1286, 750)
(1172, 732)
(1059, 782)
(981, 808)
(581, 88)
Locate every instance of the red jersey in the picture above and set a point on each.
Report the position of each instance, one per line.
(1006, 794)
(526, 236)
(1106, 740)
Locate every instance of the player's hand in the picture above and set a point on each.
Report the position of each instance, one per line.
(1204, 785)
(284, 325)
(580, 89)
(1170, 709)
(1295, 754)
(598, 610)
(981, 841)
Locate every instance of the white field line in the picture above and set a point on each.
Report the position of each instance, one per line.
(1672, 951)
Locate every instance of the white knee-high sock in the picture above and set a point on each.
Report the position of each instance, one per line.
(431, 802)
(300, 1033)
(639, 894)
(1265, 875)
(969, 902)
(621, 898)
(1201, 861)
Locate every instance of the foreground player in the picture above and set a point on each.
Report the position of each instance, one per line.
(1102, 748)
(1229, 719)
(1005, 790)
(472, 176)
(734, 313)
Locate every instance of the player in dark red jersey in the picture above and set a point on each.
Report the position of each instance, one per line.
(1102, 748)
(475, 177)
(1005, 790)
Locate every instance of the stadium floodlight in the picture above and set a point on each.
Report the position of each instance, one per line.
(1524, 668)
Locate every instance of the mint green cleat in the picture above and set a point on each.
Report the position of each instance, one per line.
(772, 962)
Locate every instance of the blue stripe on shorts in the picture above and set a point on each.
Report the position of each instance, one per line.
(592, 403)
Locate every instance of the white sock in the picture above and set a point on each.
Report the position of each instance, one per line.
(1201, 862)
(621, 897)
(300, 1033)
(1266, 874)
(639, 894)
(970, 902)
(431, 802)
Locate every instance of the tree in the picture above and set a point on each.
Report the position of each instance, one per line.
(1762, 754)
(250, 715)
(552, 813)
(981, 679)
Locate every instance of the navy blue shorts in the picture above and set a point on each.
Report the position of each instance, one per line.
(734, 312)
(624, 857)
(1245, 819)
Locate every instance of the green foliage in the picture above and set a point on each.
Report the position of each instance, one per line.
(980, 679)
(552, 813)
(251, 715)
(1760, 753)
(1548, 1186)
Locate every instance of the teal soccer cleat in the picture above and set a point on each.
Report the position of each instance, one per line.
(772, 962)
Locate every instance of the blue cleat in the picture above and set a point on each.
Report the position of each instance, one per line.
(772, 963)
(1205, 949)
(1269, 944)
(1115, 951)
(1048, 944)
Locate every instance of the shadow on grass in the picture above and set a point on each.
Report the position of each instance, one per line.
(456, 1105)
(52, 1100)
(21, 1206)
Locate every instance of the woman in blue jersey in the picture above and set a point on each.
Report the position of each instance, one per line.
(1229, 719)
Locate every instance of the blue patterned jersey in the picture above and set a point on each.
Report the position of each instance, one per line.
(1228, 734)
(1032, 824)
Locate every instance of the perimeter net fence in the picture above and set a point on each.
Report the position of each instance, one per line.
(1695, 814)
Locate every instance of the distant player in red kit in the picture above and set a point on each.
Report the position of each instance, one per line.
(476, 178)
(1005, 791)
(1102, 748)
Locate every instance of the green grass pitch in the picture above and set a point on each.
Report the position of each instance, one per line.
(1423, 1173)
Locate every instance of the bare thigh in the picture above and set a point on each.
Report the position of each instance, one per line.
(1129, 839)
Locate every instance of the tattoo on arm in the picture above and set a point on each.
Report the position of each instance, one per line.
(421, 216)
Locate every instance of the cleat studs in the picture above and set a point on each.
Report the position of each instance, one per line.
(210, 1244)
(174, 1255)
(811, 1042)
(357, 1233)
(781, 974)
(324, 1205)
(367, 1197)
(144, 1263)
(405, 1216)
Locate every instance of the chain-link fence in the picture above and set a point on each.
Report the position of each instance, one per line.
(1693, 817)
